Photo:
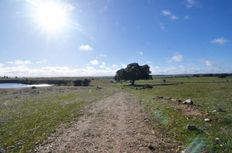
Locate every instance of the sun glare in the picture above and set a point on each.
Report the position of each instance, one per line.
(51, 16)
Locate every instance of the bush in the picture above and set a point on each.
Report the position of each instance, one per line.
(77, 82)
(86, 82)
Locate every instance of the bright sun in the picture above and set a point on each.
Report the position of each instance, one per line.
(51, 16)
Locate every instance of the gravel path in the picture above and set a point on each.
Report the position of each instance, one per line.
(116, 124)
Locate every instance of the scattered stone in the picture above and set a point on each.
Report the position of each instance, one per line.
(151, 147)
(147, 86)
(2, 150)
(173, 100)
(179, 100)
(140, 148)
(33, 87)
(220, 110)
(217, 140)
(183, 151)
(188, 102)
(214, 111)
(179, 149)
(167, 98)
(207, 120)
(193, 128)
(160, 97)
(98, 87)
(146, 119)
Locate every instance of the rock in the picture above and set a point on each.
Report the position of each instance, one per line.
(151, 147)
(179, 149)
(193, 128)
(167, 98)
(160, 97)
(179, 100)
(220, 110)
(33, 87)
(147, 86)
(217, 140)
(207, 120)
(140, 148)
(183, 151)
(214, 111)
(2, 150)
(173, 100)
(98, 87)
(188, 101)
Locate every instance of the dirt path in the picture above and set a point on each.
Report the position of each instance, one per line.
(116, 124)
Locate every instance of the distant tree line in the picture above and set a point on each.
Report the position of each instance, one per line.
(84, 82)
(219, 75)
(67, 82)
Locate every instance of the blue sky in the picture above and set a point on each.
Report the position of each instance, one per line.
(93, 38)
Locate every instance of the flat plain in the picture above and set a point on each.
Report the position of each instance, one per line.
(31, 118)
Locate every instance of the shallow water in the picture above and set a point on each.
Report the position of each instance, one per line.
(20, 85)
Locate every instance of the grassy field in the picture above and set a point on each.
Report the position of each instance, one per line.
(208, 95)
(28, 116)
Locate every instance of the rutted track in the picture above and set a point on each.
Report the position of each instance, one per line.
(115, 124)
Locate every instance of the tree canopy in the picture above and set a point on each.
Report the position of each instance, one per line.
(133, 72)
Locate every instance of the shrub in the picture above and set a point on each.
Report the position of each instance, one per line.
(86, 82)
(77, 82)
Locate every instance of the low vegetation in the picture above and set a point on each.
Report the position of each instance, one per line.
(203, 122)
(210, 112)
(28, 116)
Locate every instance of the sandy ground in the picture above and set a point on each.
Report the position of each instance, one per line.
(116, 124)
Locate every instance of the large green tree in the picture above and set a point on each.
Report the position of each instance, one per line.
(133, 72)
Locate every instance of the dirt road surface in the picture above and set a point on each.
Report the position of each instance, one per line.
(116, 124)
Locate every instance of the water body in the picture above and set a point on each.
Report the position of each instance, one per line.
(20, 85)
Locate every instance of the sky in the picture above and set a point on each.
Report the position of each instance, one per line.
(98, 37)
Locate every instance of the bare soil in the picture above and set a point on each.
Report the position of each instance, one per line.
(116, 124)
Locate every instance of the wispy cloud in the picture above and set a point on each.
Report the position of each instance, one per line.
(140, 53)
(181, 69)
(176, 58)
(162, 26)
(103, 55)
(19, 62)
(208, 63)
(103, 65)
(43, 61)
(114, 66)
(191, 3)
(55, 71)
(219, 41)
(169, 14)
(94, 62)
(101, 70)
(86, 47)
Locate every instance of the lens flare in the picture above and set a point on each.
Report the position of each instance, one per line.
(50, 16)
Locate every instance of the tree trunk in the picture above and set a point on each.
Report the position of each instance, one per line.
(132, 82)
